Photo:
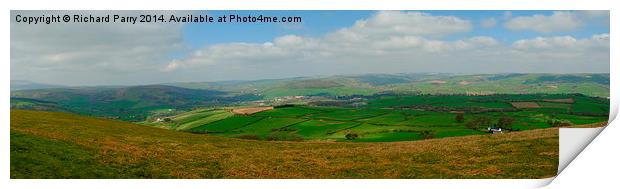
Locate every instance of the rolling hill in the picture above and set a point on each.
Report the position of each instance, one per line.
(33, 104)
(424, 83)
(137, 103)
(128, 103)
(61, 145)
(27, 85)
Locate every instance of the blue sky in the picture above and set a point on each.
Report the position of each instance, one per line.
(315, 23)
(324, 43)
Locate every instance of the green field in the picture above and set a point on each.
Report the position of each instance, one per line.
(139, 103)
(397, 118)
(372, 107)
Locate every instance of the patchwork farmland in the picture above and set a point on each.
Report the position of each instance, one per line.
(394, 118)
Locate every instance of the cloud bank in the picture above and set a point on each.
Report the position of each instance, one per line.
(102, 53)
(559, 21)
(385, 42)
(410, 42)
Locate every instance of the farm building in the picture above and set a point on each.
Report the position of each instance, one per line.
(494, 130)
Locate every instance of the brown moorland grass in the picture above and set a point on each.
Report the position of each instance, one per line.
(61, 145)
(522, 105)
(250, 111)
(593, 125)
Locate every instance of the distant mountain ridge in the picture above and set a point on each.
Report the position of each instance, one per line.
(425, 83)
(26, 85)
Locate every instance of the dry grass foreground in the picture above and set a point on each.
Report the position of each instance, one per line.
(60, 145)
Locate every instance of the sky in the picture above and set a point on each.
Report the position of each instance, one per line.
(324, 43)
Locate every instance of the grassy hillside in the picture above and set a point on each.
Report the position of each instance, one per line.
(137, 103)
(128, 103)
(33, 104)
(60, 145)
(588, 84)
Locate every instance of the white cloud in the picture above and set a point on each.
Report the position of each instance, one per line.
(594, 13)
(368, 46)
(410, 23)
(101, 53)
(563, 43)
(567, 52)
(384, 34)
(488, 23)
(559, 21)
(546, 43)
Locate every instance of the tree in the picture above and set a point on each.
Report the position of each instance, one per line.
(472, 125)
(479, 123)
(351, 136)
(426, 134)
(505, 123)
(459, 118)
(284, 136)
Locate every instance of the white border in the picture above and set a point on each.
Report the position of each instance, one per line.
(604, 147)
(319, 5)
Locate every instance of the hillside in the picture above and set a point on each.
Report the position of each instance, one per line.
(61, 145)
(26, 85)
(33, 104)
(425, 83)
(128, 103)
(138, 103)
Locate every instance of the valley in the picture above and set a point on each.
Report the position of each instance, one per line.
(360, 108)
(393, 118)
(369, 126)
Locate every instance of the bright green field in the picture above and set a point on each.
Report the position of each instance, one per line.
(398, 118)
(190, 120)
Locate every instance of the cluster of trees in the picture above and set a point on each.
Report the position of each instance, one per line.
(462, 109)
(460, 118)
(351, 136)
(483, 122)
(274, 136)
(427, 134)
(284, 136)
(284, 106)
